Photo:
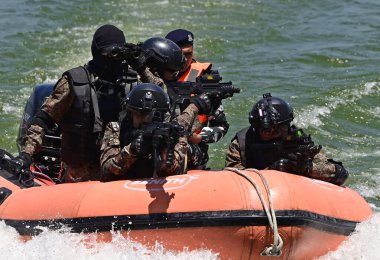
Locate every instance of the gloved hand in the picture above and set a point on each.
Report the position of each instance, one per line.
(341, 174)
(203, 103)
(26, 177)
(211, 134)
(293, 163)
(23, 160)
(137, 62)
(140, 146)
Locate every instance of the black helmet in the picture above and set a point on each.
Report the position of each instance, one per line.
(270, 111)
(163, 54)
(146, 97)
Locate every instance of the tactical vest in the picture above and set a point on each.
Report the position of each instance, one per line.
(82, 125)
(254, 152)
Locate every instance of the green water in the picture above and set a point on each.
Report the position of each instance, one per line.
(321, 56)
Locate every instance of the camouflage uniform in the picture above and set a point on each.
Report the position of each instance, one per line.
(214, 128)
(233, 155)
(116, 160)
(323, 169)
(56, 106)
(146, 76)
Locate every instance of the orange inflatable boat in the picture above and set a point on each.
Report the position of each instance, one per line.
(246, 214)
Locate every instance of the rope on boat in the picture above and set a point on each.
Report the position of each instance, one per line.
(276, 247)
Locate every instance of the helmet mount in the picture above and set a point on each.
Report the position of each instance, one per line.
(147, 97)
(148, 102)
(270, 111)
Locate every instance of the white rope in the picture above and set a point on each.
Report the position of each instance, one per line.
(276, 247)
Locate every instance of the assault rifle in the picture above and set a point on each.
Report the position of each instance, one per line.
(297, 149)
(296, 142)
(181, 92)
(163, 135)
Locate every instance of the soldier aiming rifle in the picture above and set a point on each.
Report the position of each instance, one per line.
(270, 142)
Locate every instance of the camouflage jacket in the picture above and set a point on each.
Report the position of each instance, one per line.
(56, 106)
(116, 160)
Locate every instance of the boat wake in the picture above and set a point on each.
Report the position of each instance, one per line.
(62, 244)
(362, 244)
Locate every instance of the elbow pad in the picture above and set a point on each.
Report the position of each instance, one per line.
(43, 120)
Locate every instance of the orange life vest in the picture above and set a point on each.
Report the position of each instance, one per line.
(196, 69)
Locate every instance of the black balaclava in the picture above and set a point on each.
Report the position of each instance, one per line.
(106, 68)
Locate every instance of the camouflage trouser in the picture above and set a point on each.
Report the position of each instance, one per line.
(82, 172)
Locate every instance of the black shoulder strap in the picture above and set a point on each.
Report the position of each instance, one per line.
(241, 136)
(78, 75)
(98, 124)
(126, 129)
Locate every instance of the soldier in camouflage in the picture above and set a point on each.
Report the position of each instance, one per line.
(252, 147)
(84, 100)
(128, 154)
(163, 62)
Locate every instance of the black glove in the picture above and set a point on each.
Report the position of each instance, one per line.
(341, 174)
(203, 103)
(140, 146)
(293, 163)
(23, 160)
(137, 63)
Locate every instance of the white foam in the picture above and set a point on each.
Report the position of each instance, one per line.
(365, 191)
(311, 116)
(375, 111)
(362, 244)
(9, 109)
(64, 245)
(314, 115)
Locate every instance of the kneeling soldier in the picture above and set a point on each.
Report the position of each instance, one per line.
(272, 143)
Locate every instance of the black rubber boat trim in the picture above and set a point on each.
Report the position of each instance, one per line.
(186, 219)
